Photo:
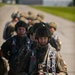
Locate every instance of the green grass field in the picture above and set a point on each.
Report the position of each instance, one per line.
(64, 12)
(2, 4)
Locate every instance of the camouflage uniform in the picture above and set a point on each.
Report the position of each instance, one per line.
(43, 60)
(40, 17)
(4, 66)
(35, 21)
(31, 17)
(55, 40)
(23, 16)
(9, 29)
(60, 65)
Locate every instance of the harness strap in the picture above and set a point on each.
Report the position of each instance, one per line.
(51, 55)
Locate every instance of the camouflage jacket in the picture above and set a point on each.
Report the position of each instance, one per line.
(55, 42)
(32, 61)
(4, 66)
(9, 30)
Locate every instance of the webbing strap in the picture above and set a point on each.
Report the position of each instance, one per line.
(46, 55)
(51, 55)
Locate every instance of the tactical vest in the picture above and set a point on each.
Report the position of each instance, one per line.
(17, 55)
(48, 63)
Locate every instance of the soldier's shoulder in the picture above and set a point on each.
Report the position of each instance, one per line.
(6, 63)
(52, 48)
(11, 24)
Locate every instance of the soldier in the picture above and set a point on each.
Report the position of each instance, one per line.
(35, 26)
(31, 34)
(31, 14)
(9, 29)
(23, 16)
(43, 60)
(35, 21)
(31, 17)
(40, 17)
(14, 46)
(55, 40)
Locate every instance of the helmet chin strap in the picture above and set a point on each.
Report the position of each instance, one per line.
(42, 46)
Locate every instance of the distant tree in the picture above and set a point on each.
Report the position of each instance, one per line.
(3, 1)
(11, 1)
(17, 1)
(74, 2)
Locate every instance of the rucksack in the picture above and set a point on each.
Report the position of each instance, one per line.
(55, 43)
(3, 66)
(8, 30)
(4, 31)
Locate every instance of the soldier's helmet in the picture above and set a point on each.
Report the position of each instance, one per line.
(36, 25)
(23, 14)
(42, 31)
(15, 15)
(23, 19)
(20, 24)
(35, 21)
(30, 12)
(53, 25)
(40, 15)
(31, 15)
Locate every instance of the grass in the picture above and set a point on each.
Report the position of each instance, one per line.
(2, 4)
(64, 12)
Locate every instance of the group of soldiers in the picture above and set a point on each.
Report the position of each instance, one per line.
(32, 46)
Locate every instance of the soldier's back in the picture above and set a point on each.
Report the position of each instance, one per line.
(9, 30)
(4, 66)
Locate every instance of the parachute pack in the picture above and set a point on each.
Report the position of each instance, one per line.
(55, 43)
(3, 66)
(9, 30)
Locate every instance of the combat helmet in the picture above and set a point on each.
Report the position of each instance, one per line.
(23, 14)
(15, 15)
(20, 24)
(40, 15)
(23, 19)
(35, 21)
(36, 25)
(31, 15)
(42, 31)
(30, 12)
(53, 24)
